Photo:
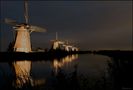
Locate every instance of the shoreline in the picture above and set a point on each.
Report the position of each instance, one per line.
(50, 55)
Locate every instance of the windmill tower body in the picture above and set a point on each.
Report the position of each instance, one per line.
(22, 42)
(55, 45)
(56, 42)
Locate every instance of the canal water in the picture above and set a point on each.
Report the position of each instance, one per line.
(73, 72)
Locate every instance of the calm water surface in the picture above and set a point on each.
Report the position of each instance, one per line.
(75, 72)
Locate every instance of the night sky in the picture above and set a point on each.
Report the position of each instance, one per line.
(85, 24)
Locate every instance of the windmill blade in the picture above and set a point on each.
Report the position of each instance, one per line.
(10, 21)
(26, 11)
(56, 36)
(37, 29)
(52, 41)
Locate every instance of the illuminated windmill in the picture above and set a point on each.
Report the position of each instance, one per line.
(23, 31)
(56, 43)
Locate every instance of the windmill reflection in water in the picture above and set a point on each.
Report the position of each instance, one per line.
(22, 70)
(57, 64)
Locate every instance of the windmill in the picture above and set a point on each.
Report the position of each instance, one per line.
(23, 30)
(56, 44)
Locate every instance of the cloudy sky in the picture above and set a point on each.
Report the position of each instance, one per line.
(86, 24)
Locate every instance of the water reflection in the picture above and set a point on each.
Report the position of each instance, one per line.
(63, 61)
(84, 72)
(22, 76)
(22, 70)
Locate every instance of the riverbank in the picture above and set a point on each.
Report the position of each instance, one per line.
(10, 56)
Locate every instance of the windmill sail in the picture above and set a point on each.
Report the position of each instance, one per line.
(26, 11)
(10, 21)
(37, 29)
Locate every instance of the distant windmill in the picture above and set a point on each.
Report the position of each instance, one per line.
(23, 31)
(56, 43)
